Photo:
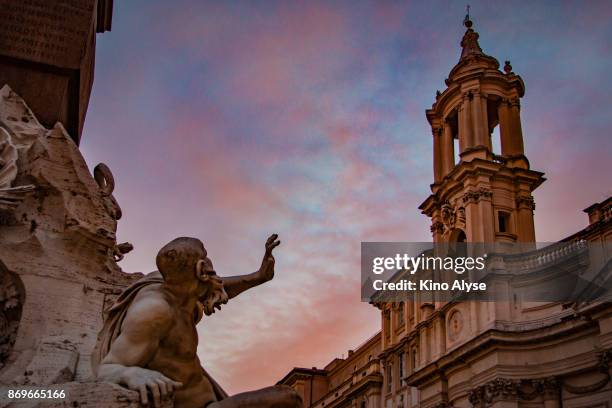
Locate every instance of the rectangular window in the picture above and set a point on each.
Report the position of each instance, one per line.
(503, 221)
(387, 323)
(411, 311)
(400, 315)
(389, 377)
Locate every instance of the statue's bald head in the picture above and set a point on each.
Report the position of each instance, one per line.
(177, 260)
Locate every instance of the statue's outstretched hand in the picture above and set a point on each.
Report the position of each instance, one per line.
(266, 270)
(141, 379)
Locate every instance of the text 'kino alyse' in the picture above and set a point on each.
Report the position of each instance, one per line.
(429, 285)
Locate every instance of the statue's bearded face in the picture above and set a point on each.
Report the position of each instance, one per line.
(213, 294)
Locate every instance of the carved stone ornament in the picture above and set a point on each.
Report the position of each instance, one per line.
(476, 395)
(502, 387)
(516, 390)
(106, 182)
(448, 216)
(460, 220)
(525, 202)
(548, 386)
(452, 217)
(474, 196)
(507, 67)
(499, 387)
(437, 227)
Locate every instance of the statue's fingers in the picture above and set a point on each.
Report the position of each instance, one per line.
(275, 244)
(163, 389)
(169, 386)
(172, 385)
(155, 391)
(271, 238)
(143, 394)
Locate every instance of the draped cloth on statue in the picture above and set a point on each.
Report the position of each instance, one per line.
(113, 320)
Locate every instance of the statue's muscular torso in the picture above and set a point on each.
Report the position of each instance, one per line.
(176, 355)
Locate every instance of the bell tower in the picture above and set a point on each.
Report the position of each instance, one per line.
(479, 195)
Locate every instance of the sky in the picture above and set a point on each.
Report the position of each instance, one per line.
(229, 121)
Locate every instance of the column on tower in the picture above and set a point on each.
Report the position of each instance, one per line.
(525, 206)
(526, 227)
(485, 122)
(479, 121)
(448, 149)
(437, 153)
(505, 131)
(510, 130)
(517, 130)
(465, 128)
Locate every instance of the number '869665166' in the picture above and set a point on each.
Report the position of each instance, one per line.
(36, 394)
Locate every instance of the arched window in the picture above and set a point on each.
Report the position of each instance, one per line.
(457, 242)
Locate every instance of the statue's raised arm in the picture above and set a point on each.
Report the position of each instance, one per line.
(235, 285)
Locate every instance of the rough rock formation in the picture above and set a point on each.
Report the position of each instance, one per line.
(58, 253)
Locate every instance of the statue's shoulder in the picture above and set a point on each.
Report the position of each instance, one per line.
(151, 305)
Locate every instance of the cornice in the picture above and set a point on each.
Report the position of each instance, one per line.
(400, 344)
(493, 338)
(453, 181)
(505, 84)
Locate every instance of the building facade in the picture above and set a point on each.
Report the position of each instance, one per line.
(516, 353)
(352, 382)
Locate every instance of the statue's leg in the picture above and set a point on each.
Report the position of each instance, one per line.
(278, 396)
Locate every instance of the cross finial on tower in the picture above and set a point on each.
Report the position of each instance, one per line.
(467, 20)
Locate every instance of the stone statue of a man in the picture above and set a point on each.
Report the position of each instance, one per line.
(149, 339)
